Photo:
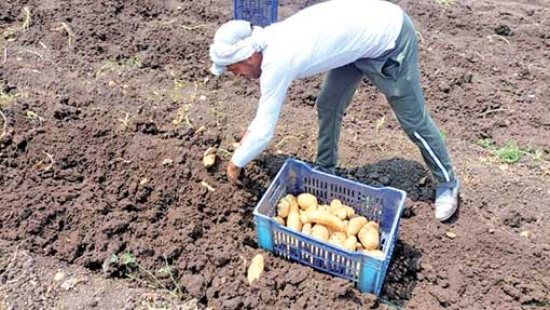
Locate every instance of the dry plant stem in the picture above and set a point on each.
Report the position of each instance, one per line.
(69, 32)
(124, 121)
(491, 111)
(32, 52)
(5, 124)
(157, 282)
(172, 276)
(52, 161)
(5, 55)
(505, 40)
(27, 20)
(210, 188)
(13, 258)
(192, 27)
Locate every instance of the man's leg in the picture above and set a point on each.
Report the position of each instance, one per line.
(335, 96)
(398, 77)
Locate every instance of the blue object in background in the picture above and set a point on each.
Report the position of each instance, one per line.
(258, 12)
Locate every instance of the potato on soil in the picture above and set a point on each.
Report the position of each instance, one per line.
(209, 158)
(255, 269)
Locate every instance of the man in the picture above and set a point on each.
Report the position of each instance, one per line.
(350, 39)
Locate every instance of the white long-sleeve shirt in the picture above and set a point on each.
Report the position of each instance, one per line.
(317, 39)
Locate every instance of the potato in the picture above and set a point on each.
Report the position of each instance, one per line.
(336, 203)
(311, 208)
(255, 269)
(279, 220)
(349, 211)
(350, 243)
(304, 218)
(320, 232)
(336, 239)
(293, 221)
(293, 202)
(355, 225)
(324, 208)
(306, 201)
(377, 253)
(331, 221)
(283, 208)
(306, 229)
(209, 157)
(369, 236)
(374, 225)
(340, 235)
(359, 247)
(336, 208)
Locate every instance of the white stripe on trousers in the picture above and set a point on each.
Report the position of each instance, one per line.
(432, 154)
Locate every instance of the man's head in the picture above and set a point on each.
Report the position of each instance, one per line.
(250, 68)
(237, 46)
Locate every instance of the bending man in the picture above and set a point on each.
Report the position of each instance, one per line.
(350, 39)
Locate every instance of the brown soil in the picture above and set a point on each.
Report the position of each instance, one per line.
(109, 108)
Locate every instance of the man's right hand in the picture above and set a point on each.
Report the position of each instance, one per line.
(233, 173)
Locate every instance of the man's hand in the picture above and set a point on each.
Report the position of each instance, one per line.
(233, 173)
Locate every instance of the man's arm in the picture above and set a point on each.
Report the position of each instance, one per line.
(273, 85)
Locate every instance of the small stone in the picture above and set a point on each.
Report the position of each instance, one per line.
(384, 180)
(58, 276)
(525, 234)
(503, 167)
(450, 234)
(167, 162)
(92, 303)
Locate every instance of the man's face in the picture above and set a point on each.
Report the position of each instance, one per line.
(249, 68)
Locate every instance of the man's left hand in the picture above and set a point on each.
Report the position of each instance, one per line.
(233, 173)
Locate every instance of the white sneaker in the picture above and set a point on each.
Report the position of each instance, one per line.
(446, 200)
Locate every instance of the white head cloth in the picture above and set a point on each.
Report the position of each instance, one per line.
(234, 41)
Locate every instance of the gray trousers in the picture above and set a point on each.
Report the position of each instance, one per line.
(397, 75)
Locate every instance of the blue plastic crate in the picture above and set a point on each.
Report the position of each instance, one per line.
(383, 205)
(258, 12)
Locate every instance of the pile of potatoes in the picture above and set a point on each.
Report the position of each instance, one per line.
(335, 223)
